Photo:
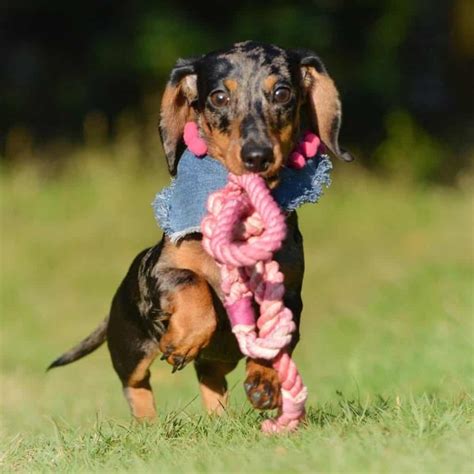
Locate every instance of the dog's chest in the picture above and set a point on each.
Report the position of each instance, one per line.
(190, 254)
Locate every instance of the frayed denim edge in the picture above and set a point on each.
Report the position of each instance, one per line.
(176, 236)
(321, 178)
(161, 208)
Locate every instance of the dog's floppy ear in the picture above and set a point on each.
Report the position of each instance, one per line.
(322, 99)
(177, 108)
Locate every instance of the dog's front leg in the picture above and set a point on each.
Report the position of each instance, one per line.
(213, 384)
(187, 298)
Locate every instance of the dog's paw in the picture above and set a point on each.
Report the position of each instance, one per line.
(262, 386)
(178, 361)
(178, 356)
(179, 351)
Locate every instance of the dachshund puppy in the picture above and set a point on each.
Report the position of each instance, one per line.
(249, 102)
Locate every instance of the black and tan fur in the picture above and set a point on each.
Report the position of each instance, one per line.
(249, 102)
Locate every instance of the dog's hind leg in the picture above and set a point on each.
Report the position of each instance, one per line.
(213, 384)
(132, 350)
(132, 366)
(138, 392)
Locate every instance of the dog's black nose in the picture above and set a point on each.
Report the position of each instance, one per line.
(256, 158)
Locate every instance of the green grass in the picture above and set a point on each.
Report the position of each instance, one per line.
(386, 347)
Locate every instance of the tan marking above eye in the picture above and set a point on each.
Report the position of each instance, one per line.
(231, 84)
(269, 82)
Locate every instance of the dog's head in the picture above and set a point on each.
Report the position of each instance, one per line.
(248, 102)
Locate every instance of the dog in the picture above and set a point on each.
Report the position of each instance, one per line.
(249, 102)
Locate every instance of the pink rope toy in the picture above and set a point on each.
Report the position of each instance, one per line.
(243, 229)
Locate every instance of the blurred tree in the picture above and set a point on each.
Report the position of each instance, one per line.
(62, 61)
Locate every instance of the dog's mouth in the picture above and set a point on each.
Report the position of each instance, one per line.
(272, 181)
(271, 173)
(271, 177)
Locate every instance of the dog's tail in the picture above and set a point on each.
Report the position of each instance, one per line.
(86, 346)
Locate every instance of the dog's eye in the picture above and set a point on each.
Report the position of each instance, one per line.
(219, 99)
(282, 95)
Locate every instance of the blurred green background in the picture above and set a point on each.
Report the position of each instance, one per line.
(387, 329)
(75, 72)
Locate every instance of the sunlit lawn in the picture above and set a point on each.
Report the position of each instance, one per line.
(386, 347)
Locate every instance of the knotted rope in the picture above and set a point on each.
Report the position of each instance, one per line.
(243, 229)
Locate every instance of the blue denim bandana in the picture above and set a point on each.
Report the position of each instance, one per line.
(180, 207)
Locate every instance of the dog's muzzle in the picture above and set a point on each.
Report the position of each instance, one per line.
(256, 158)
